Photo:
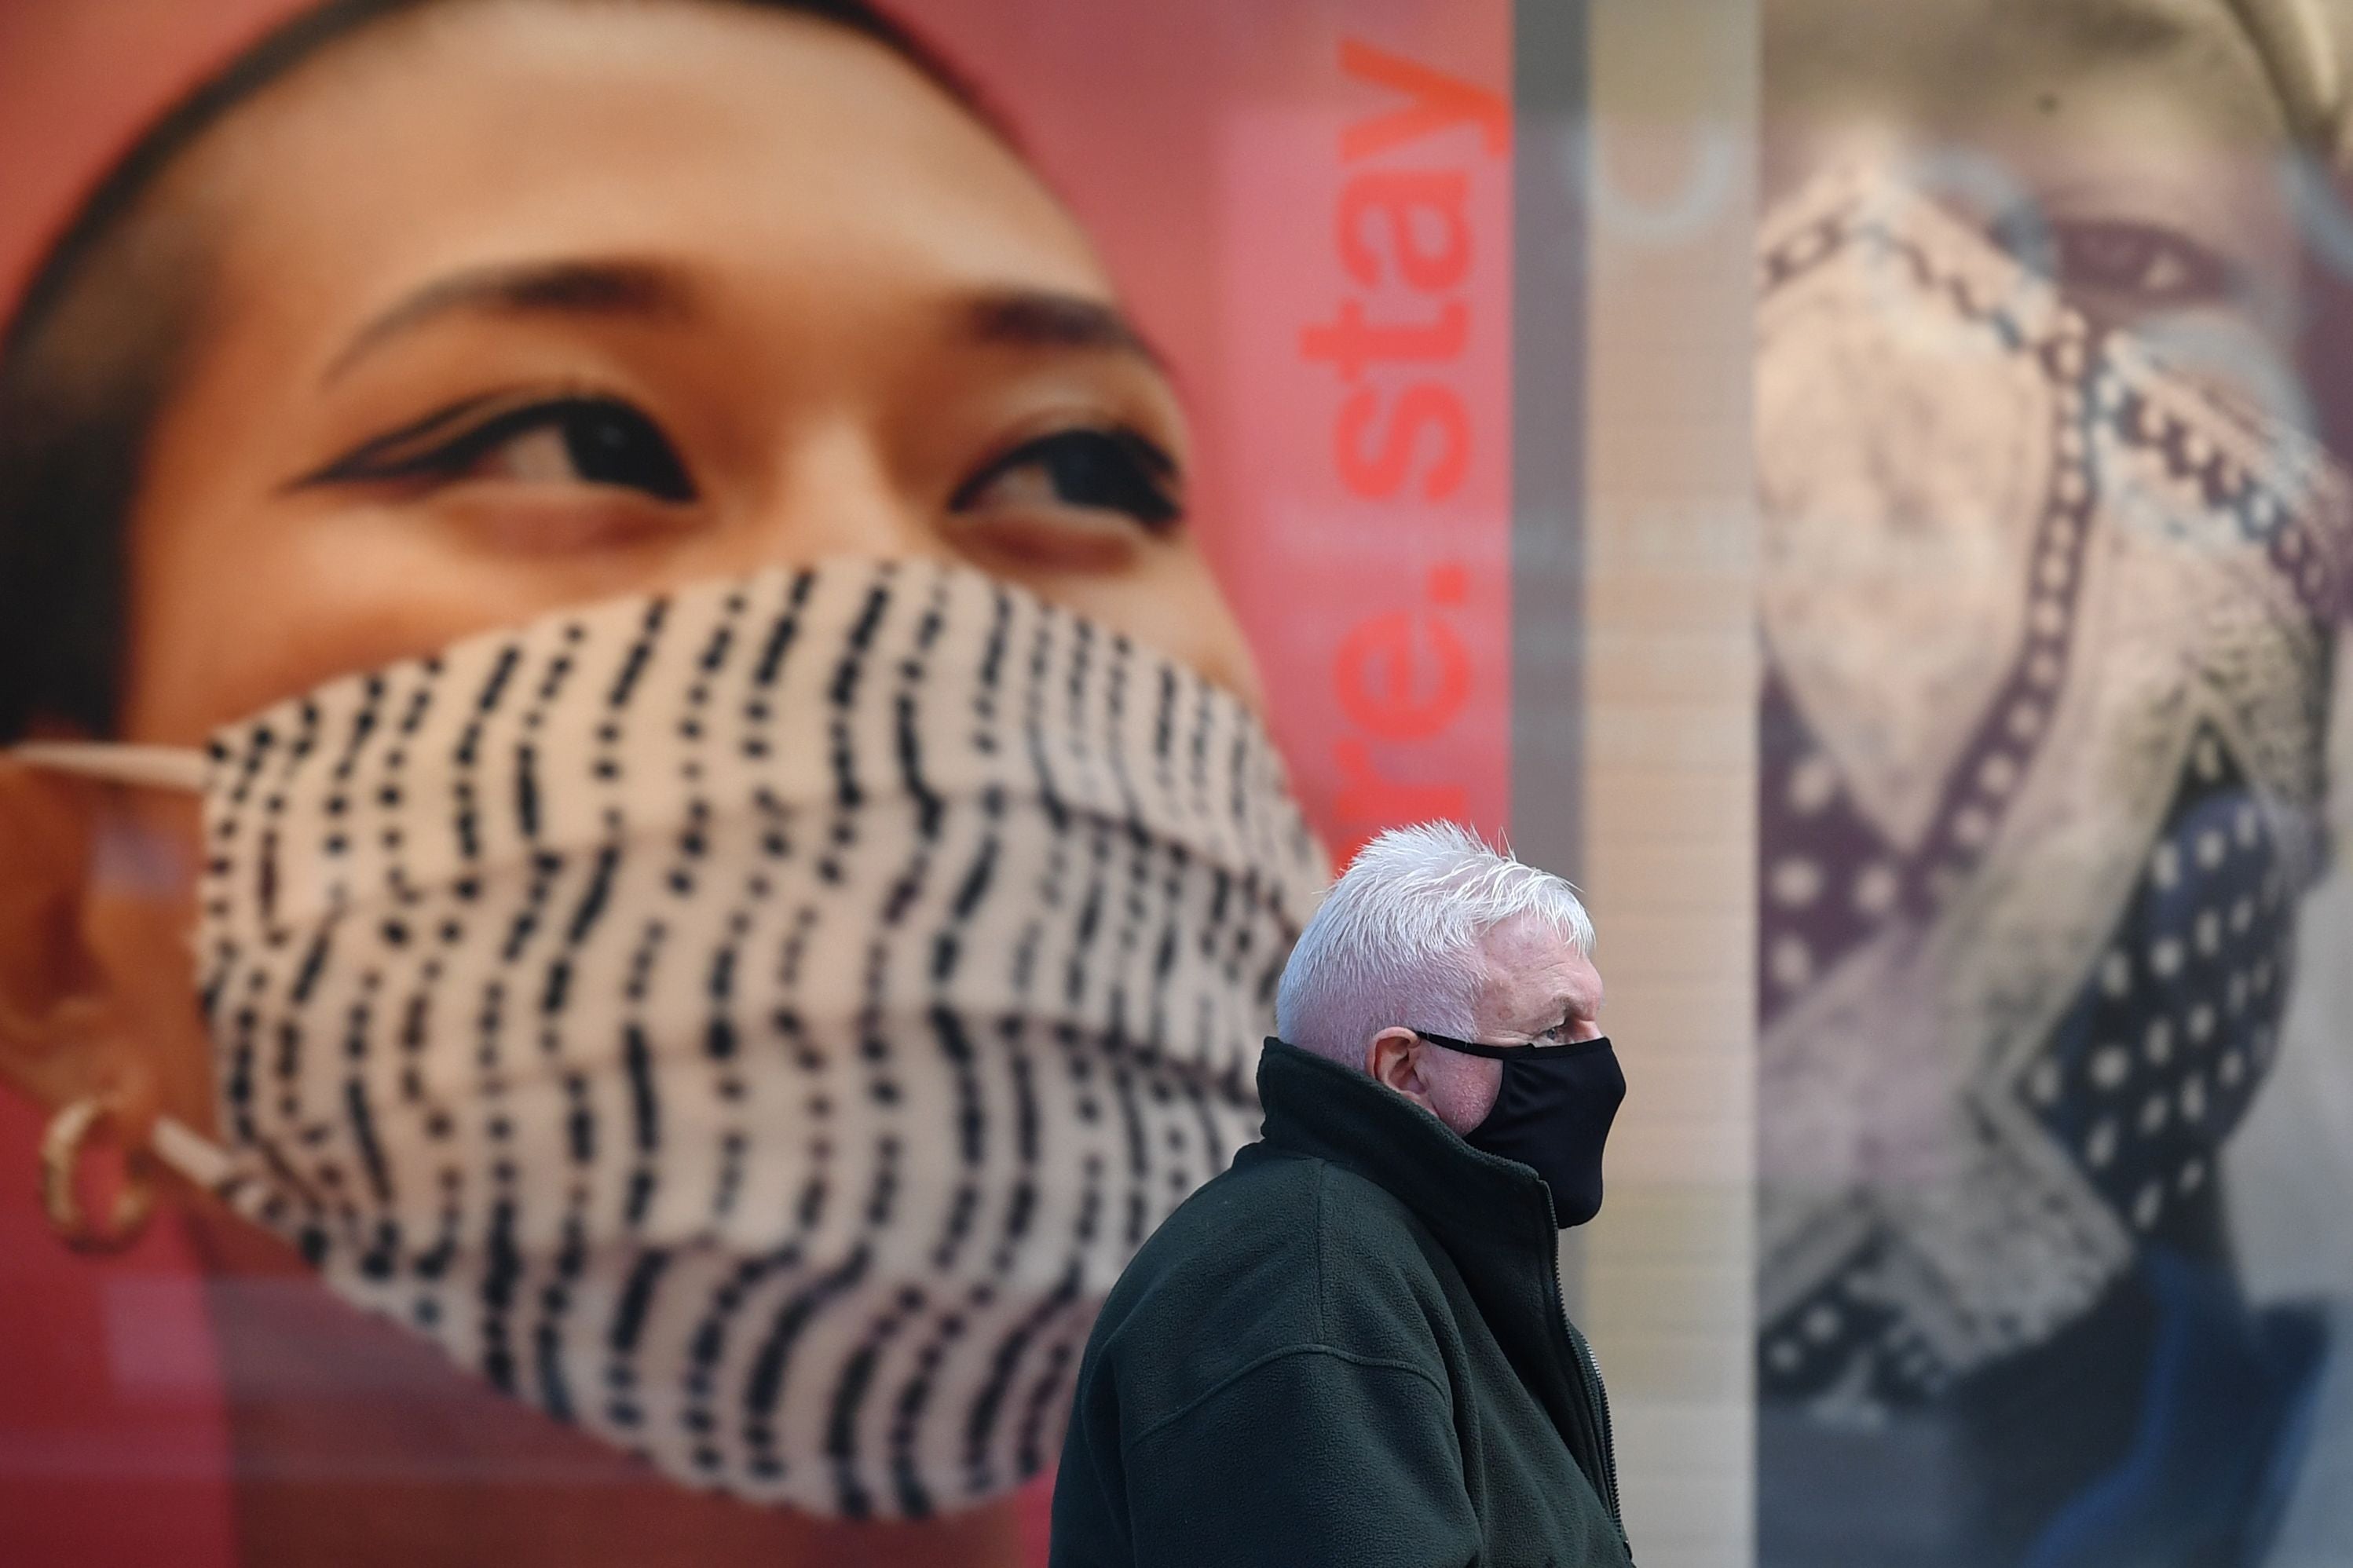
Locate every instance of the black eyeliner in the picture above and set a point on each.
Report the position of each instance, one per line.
(428, 450)
(1159, 469)
(367, 459)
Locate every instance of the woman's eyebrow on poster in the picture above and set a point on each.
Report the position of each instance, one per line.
(1009, 316)
(643, 289)
(1040, 318)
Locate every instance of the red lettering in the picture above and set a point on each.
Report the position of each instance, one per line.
(1377, 477)
(1382, 686)
(1402, 677)
(1440, 193)
(1439, 102)
(1366, 797)
(1351, 342)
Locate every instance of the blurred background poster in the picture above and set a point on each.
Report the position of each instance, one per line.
(2056, 1110)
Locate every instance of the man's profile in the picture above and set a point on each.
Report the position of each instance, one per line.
(1351, 1348)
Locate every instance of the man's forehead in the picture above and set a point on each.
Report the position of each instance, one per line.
(1531, 952)
(1529, 935)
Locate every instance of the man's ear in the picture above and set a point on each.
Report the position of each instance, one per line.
(1394, 1061)
(64, 1032)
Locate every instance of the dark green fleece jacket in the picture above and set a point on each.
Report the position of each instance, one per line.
(1349, 1349)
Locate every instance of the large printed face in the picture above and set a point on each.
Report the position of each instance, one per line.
(2049, 579)
(522, 305)
(519, 305)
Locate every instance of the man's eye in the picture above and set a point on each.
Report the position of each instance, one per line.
(1094, 471)
(2138, 266)
(561, 440)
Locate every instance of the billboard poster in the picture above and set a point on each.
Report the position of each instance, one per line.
(627, 494)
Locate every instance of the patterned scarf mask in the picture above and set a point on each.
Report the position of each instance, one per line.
(755, 1023)
(2047, 656)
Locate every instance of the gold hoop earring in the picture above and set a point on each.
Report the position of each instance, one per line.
(63, 1143)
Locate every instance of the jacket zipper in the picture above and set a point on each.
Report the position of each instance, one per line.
(1598, 1404)
(1596, 1399)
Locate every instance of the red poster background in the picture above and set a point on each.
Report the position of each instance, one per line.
(1307, 203)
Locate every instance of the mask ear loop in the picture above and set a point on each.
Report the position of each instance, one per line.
(152, 767)
(233, 1181)
(203, 1162)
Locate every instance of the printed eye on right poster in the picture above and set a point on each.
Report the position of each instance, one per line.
(2053, 402)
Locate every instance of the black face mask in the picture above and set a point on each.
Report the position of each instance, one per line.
(1553, 1112)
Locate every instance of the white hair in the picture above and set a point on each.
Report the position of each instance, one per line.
(1397, 940)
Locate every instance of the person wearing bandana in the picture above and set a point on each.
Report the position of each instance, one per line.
(623, 757)
(2056, 554)
(1351, 1347)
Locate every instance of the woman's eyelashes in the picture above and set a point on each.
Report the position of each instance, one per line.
(575, 438)
(597, 440)
(1081, 468)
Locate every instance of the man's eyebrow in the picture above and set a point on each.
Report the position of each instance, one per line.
(561, 288)
(1038, 318)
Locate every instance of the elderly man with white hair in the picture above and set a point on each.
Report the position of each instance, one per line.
(1350, 1347)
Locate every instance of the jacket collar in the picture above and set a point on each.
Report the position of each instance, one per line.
(1320, 1108)
(1493, 1218)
